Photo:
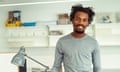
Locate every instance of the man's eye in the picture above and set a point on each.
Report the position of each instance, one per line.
(76, 18)
(85, 20)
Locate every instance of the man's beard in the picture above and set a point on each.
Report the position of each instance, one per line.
(80, 32)
(78, 27)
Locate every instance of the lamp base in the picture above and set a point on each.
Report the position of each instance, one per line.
(24, 68)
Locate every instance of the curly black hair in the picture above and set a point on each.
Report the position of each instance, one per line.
(80, 8)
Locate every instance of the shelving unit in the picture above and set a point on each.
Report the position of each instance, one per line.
(39, 36)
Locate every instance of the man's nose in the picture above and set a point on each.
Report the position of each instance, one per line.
(80, 21)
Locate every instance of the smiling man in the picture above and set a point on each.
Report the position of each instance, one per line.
(77, 50)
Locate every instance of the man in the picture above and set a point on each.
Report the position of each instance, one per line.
(77, 50)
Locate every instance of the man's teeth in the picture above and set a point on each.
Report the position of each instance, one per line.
(80, 27)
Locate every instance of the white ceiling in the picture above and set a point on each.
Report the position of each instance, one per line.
(26, 1)
(33, 0)
(29, 2)
(21, 1)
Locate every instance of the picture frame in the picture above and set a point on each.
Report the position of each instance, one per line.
(63, 19)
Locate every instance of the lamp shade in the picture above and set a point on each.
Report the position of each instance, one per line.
(19, 58)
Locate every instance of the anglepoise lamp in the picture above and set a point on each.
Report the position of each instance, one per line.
(19, 59)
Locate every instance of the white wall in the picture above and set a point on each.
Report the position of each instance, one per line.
(6, 66)
(48, 12)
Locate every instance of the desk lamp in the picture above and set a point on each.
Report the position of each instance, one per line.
(19, 59)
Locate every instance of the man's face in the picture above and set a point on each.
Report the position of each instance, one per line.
(80, 22)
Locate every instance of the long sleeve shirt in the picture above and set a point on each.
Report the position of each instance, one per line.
(77, 55)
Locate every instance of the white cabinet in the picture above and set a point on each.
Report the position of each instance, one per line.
(28, 36)
(108, 34)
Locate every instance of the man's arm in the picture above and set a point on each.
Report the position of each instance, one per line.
(96, 59)
(58, 58)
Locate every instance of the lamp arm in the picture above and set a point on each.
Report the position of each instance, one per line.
(37, 62)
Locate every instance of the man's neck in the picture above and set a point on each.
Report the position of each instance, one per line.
(77, 35)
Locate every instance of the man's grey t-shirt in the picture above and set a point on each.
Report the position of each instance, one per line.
(77, 54)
